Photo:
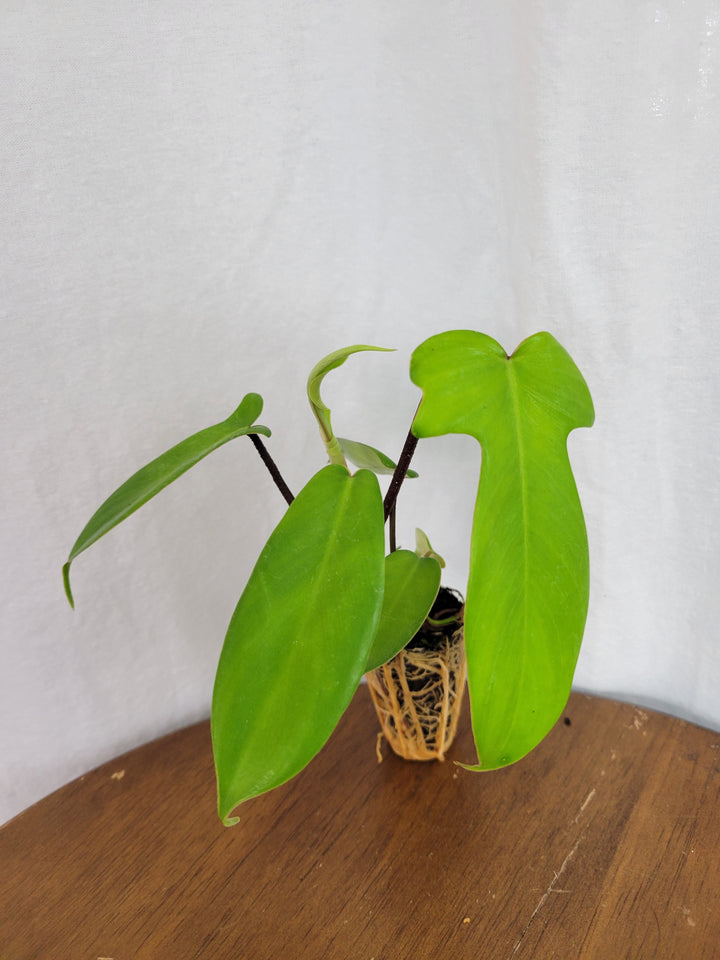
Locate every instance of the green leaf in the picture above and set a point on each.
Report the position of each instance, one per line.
(362, 455)
(322, 413)
(411, 585)
(298, 642)
(528, 585)
(157, 474)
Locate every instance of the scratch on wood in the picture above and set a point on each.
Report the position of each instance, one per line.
(584, 804)
(550, 889)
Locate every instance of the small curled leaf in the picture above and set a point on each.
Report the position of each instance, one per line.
(368, 458)
(423, 547)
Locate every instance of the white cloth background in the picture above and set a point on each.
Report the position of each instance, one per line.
(201, 200)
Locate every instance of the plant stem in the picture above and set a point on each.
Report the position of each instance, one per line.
(392, 532)
(272, 467)
(399, 475)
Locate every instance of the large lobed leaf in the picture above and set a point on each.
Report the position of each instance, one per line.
(299, 639)
(528, 584)
(161, 471)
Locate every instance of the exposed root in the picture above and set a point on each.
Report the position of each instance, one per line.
(418, 695)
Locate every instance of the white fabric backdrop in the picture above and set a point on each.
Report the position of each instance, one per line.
(200, 200)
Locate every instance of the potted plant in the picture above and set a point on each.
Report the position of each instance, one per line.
(326, 603)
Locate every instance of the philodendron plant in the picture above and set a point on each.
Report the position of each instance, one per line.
(324, 604)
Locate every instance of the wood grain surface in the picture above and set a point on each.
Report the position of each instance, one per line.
(604, 843)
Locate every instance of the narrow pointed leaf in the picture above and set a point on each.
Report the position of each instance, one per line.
(528, 585)
(298, 642)
(368, 458)
(157, 474)
(411, 585)
(322, 413)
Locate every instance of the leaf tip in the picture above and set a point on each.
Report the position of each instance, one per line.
(66, 583)
(473, 767)
(225, 808)
(250, 407)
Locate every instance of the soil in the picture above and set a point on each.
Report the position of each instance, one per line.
(431, 636)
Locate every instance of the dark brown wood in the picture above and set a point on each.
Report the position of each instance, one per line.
(604, 843)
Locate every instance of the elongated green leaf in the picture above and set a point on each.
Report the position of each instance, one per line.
(362, 455)
(298, 642)
(322, 413)
(411, 585)
(157, 474)
(528, 586)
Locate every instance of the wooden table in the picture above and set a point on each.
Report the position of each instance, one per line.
(604, 843)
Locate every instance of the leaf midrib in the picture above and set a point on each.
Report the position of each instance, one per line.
(516, 406)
